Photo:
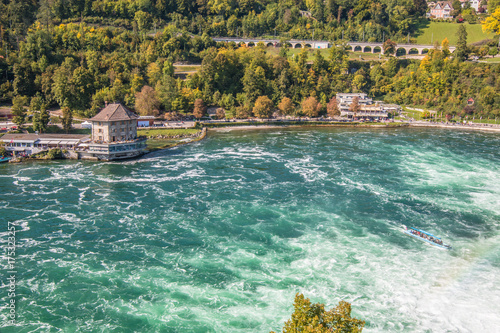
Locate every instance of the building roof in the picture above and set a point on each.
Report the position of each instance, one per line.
(352, 94)
(114, 112)
(443, 4)
(34, 137)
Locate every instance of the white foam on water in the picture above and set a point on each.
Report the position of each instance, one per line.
(183, 257)
(307, 169)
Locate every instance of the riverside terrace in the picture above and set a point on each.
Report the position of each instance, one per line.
(114, 136)
(28, 144)
(77, 146)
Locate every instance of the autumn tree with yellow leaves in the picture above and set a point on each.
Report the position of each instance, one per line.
(313, 318)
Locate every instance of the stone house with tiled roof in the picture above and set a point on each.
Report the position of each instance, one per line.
(114, 123)
(114, 134)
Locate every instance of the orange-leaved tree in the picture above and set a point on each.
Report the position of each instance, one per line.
(199, 108)
(311, 107)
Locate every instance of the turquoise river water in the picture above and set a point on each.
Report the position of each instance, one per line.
(219, 235)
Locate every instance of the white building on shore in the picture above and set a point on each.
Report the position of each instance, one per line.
(27, 144)
(368, 109)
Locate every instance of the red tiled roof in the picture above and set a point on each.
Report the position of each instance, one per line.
(114, 112)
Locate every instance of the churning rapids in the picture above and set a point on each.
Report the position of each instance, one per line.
(220, 235)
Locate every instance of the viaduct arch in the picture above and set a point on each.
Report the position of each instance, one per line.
(365, 47)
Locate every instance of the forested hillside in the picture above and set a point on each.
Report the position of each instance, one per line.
(293, 18)
(79, 54)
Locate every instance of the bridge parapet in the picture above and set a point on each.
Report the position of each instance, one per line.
(365, 47)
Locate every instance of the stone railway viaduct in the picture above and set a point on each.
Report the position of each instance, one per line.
(365, 47)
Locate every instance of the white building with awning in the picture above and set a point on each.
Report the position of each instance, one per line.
(28, 144)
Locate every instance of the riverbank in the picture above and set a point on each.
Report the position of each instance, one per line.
(269, 125)
(475, 127)
(225, 126)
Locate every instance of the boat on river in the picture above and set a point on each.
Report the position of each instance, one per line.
(4, 159)
(426, 237)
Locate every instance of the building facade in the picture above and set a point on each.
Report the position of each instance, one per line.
(442, 10)
(114, 135)
(367, 108)
(27, 144)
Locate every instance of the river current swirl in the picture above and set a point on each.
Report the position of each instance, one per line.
(219, 236)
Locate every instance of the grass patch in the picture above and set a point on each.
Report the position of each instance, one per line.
(430, 32)
(366, 56)
(186, 69)
(182, 132)
(485, 121)
(417, 115)
(156, 144)
(495, 60)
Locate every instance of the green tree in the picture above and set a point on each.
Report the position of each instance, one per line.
(263, 107)
(457, 6)
(62, 87)
(41, 116)
(313, 318)
(493, 51)
(254, 82)
(461, 50)
(18, 110)
(319, 63)
(67, 119)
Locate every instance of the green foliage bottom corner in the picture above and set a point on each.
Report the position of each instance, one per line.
(313, 317)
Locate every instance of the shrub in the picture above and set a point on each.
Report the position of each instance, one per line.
(54, 154)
